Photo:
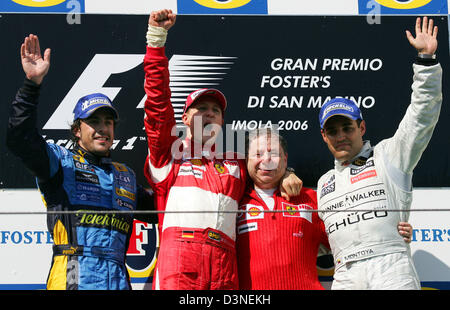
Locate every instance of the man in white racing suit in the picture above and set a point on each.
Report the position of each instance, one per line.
(370, 182)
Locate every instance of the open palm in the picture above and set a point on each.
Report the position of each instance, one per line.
(425, 41)
(34, 65)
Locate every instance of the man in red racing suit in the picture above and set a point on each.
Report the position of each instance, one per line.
(186, 178)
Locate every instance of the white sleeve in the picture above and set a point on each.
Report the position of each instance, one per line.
(404, 149)
(156, 36)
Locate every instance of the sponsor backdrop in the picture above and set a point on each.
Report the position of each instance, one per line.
(286, 7)
(271, 79)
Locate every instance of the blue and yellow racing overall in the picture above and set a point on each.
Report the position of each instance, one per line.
(89, 244)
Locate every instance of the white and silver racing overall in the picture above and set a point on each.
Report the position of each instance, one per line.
(368, 251)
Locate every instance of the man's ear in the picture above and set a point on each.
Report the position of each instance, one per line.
(324, 137)
(362, 127)
(77, 131)
(185, 119)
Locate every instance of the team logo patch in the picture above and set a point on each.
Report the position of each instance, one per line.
(301, 211)
(220, 168)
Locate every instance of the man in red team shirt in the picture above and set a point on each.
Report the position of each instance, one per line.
(278, 250)
(197, 249)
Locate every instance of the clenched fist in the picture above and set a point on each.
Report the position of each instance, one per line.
(163, 18)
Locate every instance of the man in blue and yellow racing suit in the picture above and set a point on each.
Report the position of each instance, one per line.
(90, 240)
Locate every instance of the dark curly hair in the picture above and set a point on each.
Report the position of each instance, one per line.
(73, 128)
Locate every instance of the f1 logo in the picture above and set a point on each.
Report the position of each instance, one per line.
(91, 81)
(187, 72)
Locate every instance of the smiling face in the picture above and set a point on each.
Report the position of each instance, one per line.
(343, 137)
(204, 120)
(266, 161)
(96, 133)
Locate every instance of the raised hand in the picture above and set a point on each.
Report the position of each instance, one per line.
(34, 66)
(163, 18)
(425, 41)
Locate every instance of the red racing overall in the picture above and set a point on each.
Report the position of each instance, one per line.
(197, 249)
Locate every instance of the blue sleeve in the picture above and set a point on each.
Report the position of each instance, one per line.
(54, 154)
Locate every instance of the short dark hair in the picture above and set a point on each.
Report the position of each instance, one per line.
(251, 135)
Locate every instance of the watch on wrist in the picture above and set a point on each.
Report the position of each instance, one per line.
(426, 56)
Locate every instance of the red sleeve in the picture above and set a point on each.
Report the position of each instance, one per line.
(159, 117)
(321, 226)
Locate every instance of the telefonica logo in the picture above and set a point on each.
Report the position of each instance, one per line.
(403, 4)
(38, 3)
(223, 4)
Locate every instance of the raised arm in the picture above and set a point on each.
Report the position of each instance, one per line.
(159, 115)
(23, 138)
(416, 128)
